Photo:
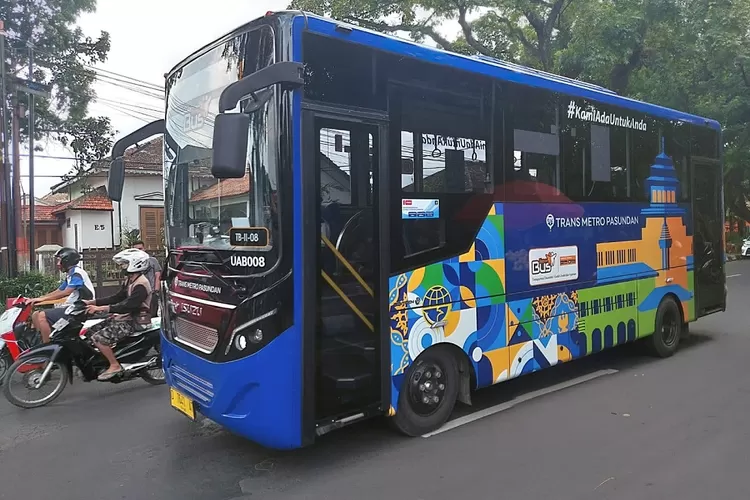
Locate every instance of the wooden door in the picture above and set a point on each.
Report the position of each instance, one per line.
(152, 227)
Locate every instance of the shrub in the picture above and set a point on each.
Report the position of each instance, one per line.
(29, 285)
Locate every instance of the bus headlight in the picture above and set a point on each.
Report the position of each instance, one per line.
(251, 334)
(240, 342)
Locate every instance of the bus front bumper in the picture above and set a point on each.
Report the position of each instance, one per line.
(257, 397)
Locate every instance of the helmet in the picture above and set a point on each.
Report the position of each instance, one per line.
(136, 260)
(69, 257)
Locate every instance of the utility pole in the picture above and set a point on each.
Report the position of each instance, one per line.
(16, 219)
(32, 200)
(6, 236)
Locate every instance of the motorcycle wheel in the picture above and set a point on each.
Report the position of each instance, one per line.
(5, 362)
(155, 376)
(30, 376)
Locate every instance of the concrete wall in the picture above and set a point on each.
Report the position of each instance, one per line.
(69, 233)
(94, 229)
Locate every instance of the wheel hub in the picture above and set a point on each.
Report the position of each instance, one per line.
(31, 379)
(427, 388)
(669, 329)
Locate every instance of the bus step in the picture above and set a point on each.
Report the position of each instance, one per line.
(349, 377)
(337, 424)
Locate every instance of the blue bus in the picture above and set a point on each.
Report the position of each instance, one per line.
(360, 226)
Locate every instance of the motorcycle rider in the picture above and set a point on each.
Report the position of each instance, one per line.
(76, 286)
(130, 308)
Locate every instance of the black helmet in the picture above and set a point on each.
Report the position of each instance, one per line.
(69, 257)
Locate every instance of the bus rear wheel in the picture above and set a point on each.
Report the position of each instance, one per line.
(668, 329)
(429, 392)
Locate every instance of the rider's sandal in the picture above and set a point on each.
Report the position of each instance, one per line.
(109, 375)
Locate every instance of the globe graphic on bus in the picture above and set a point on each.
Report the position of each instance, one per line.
(436, 304)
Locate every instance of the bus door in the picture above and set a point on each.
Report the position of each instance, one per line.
(708, 236)
(351, 275)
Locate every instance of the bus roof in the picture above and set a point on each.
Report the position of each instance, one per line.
(494, 68)
(491, 67)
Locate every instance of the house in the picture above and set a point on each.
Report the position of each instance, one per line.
(100, 222)
(87, 221)
(46, 225)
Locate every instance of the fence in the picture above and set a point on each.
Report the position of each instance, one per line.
(104, 273)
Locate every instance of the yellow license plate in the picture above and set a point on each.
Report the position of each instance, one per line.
(182, 403)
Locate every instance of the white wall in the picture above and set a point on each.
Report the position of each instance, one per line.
(69, 235)
(96, 229)
(88, 234)
(131, 213)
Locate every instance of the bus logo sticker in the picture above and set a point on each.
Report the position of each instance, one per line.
(553, 265)
(550, 221)
(419, 209)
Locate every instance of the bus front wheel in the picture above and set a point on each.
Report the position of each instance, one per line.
(429, 392)
(668, 329)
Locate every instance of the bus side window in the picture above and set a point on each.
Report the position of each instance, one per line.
(444, 174)
(644, 147)
(536, 146)
(595, 160)
(677, 146)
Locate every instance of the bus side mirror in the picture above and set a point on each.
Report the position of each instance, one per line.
(116, 179)
(229, 156)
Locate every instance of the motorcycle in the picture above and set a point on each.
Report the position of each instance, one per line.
(52, 363)
(16, 334)
(16, 337)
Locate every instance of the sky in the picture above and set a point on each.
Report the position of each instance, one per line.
(148, 38)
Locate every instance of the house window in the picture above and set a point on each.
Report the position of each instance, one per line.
(67, 223)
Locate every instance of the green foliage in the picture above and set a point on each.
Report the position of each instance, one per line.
(693, 56)
(63, 58)
(29, 285)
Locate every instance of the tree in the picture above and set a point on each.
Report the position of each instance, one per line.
(522, 30)
(63, 58)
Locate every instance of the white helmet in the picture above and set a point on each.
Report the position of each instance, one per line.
(136, 260)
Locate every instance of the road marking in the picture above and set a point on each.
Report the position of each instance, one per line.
(733, 276)
(515, 401)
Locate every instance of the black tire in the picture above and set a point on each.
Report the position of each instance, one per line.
(668, 329)
(414, 417)
(151, 379)
(35, 404)
(150, 376)
(5, 363)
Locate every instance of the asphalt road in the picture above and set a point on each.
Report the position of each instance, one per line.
(661, 429)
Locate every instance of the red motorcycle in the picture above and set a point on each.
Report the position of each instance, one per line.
(16, 335)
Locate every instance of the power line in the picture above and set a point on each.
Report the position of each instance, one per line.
(112, 78)
(120, 75)
(104, 72)
(54, 157)
(130, 105)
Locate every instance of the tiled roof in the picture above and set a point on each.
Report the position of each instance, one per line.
(144, 159)
(95, 200)
(224, 188)
(42, 213)
(52, 199)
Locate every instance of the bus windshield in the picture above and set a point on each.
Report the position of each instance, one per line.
(200, 209)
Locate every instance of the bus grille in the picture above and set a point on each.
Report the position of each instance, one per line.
(192, 385)
(199, 337)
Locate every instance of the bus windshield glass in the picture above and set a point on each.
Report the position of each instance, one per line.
(200, 209)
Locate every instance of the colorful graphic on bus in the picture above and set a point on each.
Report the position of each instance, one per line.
(483, 301)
